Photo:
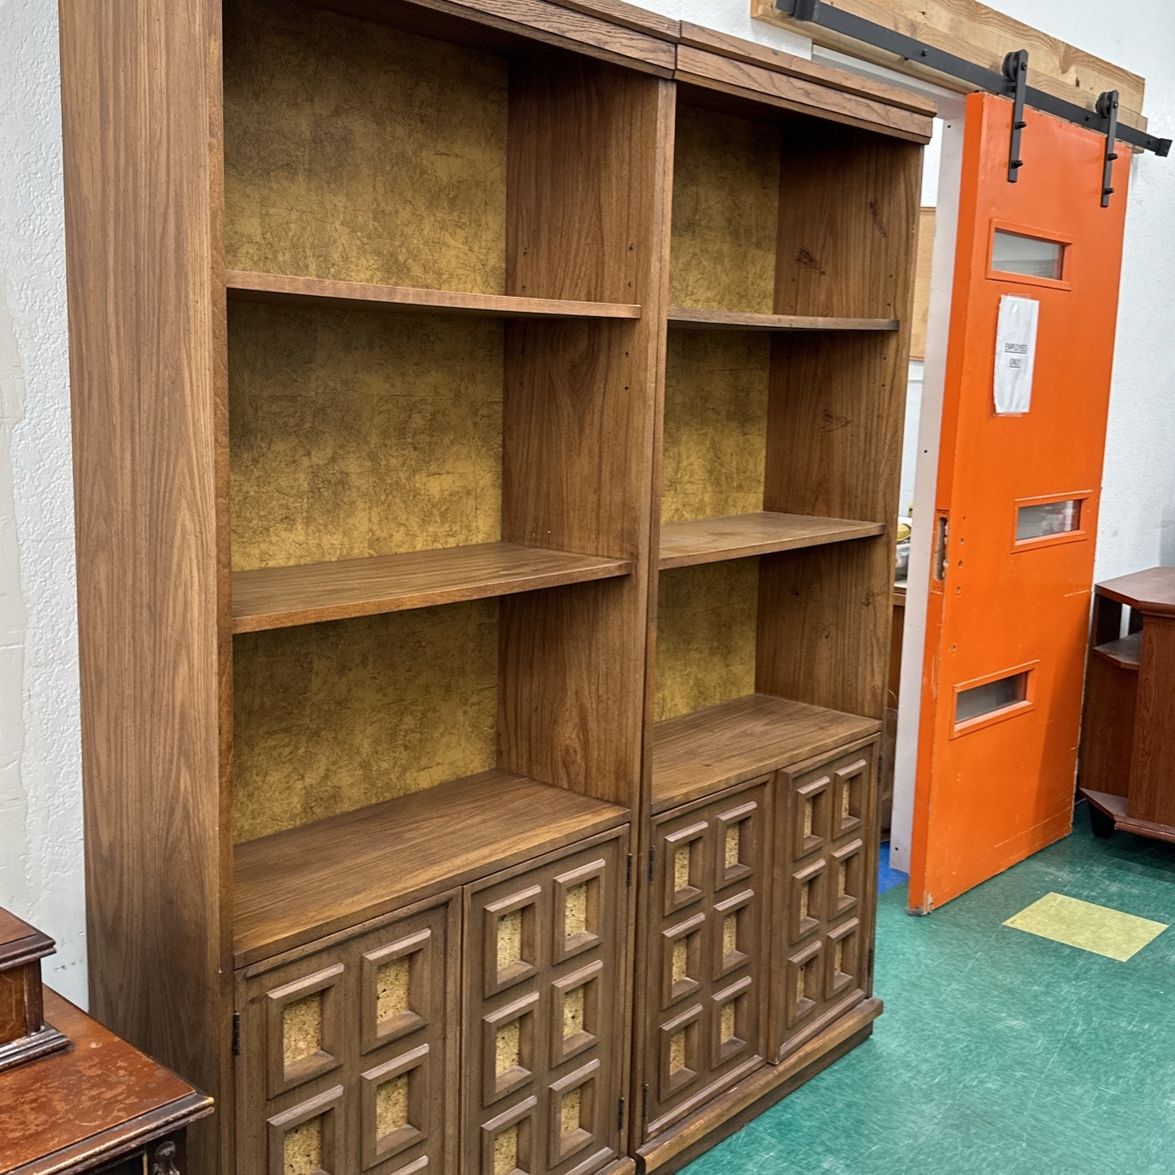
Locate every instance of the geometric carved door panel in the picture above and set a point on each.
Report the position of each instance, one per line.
(347, 1057)
(825, 881)
(544, 1013)
(705, 974)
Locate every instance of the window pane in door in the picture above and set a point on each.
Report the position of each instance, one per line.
(1016, 253)
(981, 700)
(1047, 519)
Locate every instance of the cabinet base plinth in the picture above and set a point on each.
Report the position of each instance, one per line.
(758, 1092)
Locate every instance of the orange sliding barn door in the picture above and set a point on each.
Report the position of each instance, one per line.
(1020, 465)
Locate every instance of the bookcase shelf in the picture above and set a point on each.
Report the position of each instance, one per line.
(243, 286)
(691, 318)
(413, 351)
(696, 754)
(334, 873)
(280, 597)
(736, 536)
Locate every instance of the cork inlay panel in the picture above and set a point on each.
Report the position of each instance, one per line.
(506, 1151)
(729, 934)
(355, 433)
(302, 1148)
(677, 1051)
(715, 439)
(843, 879)
(809, 816)
(358, 152)
(509, 941)
(332, 717)
(392, 989)
(845, 805)
(508, 1048)
(391, 1106)
(571, 1111)
(681, 867)
(838, 957)
(727, 1022)
(805, 899)
(732, 846)
(575, 916)
(680, 961)
(574, 1003)
(301, 1029)
(706, 636)
(726, 175)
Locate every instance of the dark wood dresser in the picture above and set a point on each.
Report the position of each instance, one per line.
(95, 1105)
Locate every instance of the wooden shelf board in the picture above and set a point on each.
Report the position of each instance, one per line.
(280, 597)
(272, 287)
(1125, 653)
(735, 536)
(700, 753)
(298, 885)
(689, 317)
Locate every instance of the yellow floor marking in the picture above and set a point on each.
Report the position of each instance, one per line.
(1082, 924)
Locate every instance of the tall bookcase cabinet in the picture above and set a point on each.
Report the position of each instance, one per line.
(486, 426)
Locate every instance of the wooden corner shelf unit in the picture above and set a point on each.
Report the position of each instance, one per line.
(481, 699)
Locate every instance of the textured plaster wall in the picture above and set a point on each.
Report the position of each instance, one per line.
(41, 875)
(40, 771)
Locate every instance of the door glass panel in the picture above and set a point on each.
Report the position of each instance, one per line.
(981, 700)
(1016, 253)
(1047, 519)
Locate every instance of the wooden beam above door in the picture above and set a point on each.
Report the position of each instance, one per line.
(981, 35)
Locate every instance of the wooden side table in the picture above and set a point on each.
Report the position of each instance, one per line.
(73, 1096)
(1128, 732)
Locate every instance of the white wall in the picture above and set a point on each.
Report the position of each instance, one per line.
(40, 772)
(41, 874)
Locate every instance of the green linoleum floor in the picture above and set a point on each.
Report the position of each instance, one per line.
(999, 1052)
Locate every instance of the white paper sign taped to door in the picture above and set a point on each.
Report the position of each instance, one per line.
(1015, 353)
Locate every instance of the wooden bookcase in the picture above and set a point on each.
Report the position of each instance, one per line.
(486, 429)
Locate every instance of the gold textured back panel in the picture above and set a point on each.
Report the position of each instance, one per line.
(715, 441)
(357, 152)
(726, 173)
(331, 717)
(358, 432)
(705, 636)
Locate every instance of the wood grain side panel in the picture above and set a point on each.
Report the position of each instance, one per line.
(586, 152)
(1152, 798)
(835, 416)
(1107, 728)
(141, 111)
(855, 258)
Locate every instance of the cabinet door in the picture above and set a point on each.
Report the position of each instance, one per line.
(347, 1061)
(544, 1013)
(825, 892)
(708, 906)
